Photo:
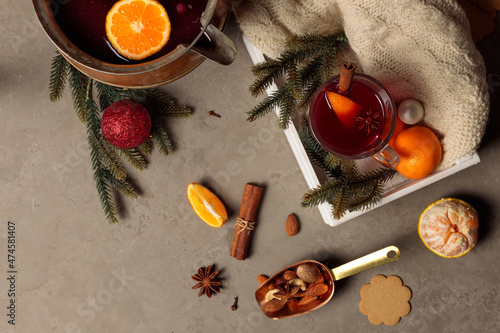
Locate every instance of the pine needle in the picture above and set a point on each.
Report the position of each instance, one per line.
(161, 139)
(123, 186)
(100, 174)
(268, 104)
(133, 156)
(78, 85)
(145, 147)
(58, 76)
(108, 94)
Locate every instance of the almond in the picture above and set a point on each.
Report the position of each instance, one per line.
(307, 300)
(316, 289)
(262, 278)
(273, 306)
(288, 275)
(292, 225)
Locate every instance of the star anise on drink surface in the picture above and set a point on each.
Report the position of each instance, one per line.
(206, 281)
(288, 294)
(368, 121)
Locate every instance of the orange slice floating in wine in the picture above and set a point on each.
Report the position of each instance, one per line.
(137, 28)
(345, 108)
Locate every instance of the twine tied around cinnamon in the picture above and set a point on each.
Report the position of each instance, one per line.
(245, 221)
(244, 224)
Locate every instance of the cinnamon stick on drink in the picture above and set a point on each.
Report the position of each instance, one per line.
(246, 221)
(346, 73)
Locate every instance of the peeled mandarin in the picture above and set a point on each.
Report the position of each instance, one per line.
(206, 205)
(344, 107)
(449, 227)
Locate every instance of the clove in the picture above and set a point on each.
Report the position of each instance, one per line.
(235, 304)
(213, 113)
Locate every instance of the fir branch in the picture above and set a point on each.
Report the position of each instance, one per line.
(268, 104)
(100, 174)
(145, 147)
(294, 82)
(326, 192)
(58, 76)
(78, 85)
(159, 103)
(267, 72)
(162, 100)
(315, 152)
(287, 107)
(338, 204)
(108, 158)
(176, 111)
(370, 197)
(108, 94)
(161, 138)
(123, 186)
(314, 43)
(332, 162)
(133, 156)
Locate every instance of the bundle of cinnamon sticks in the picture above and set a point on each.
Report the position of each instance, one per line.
(245, 223)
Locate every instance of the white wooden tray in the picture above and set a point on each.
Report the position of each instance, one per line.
(394, 188)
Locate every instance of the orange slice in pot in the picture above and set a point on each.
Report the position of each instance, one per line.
(137, 28)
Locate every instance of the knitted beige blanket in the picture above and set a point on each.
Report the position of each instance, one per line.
(418, 49)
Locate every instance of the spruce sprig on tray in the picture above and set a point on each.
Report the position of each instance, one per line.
(346, 189)
(110, 175)
(307, 63)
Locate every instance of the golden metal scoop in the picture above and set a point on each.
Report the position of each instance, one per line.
(372, 260)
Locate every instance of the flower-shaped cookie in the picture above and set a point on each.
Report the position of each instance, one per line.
(385, 300)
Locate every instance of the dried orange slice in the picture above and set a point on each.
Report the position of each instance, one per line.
(449, 227)
(137, 28)
(206, 205)
(344, 107)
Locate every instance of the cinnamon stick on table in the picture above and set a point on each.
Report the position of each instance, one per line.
(246, 221)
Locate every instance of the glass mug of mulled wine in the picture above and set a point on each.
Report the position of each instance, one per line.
(77, 29)
(357, 122)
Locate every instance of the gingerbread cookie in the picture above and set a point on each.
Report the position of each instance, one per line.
(385, 300)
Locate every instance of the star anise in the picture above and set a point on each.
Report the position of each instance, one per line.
(207, 281)
(286, 294)
(368, 121)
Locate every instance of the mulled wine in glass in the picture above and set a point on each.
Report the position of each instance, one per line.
(370, 128)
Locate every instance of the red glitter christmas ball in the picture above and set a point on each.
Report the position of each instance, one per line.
(126, 124)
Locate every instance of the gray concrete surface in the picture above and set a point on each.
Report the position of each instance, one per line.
(77, 273)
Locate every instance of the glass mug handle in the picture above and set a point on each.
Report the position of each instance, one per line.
(387, 157)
